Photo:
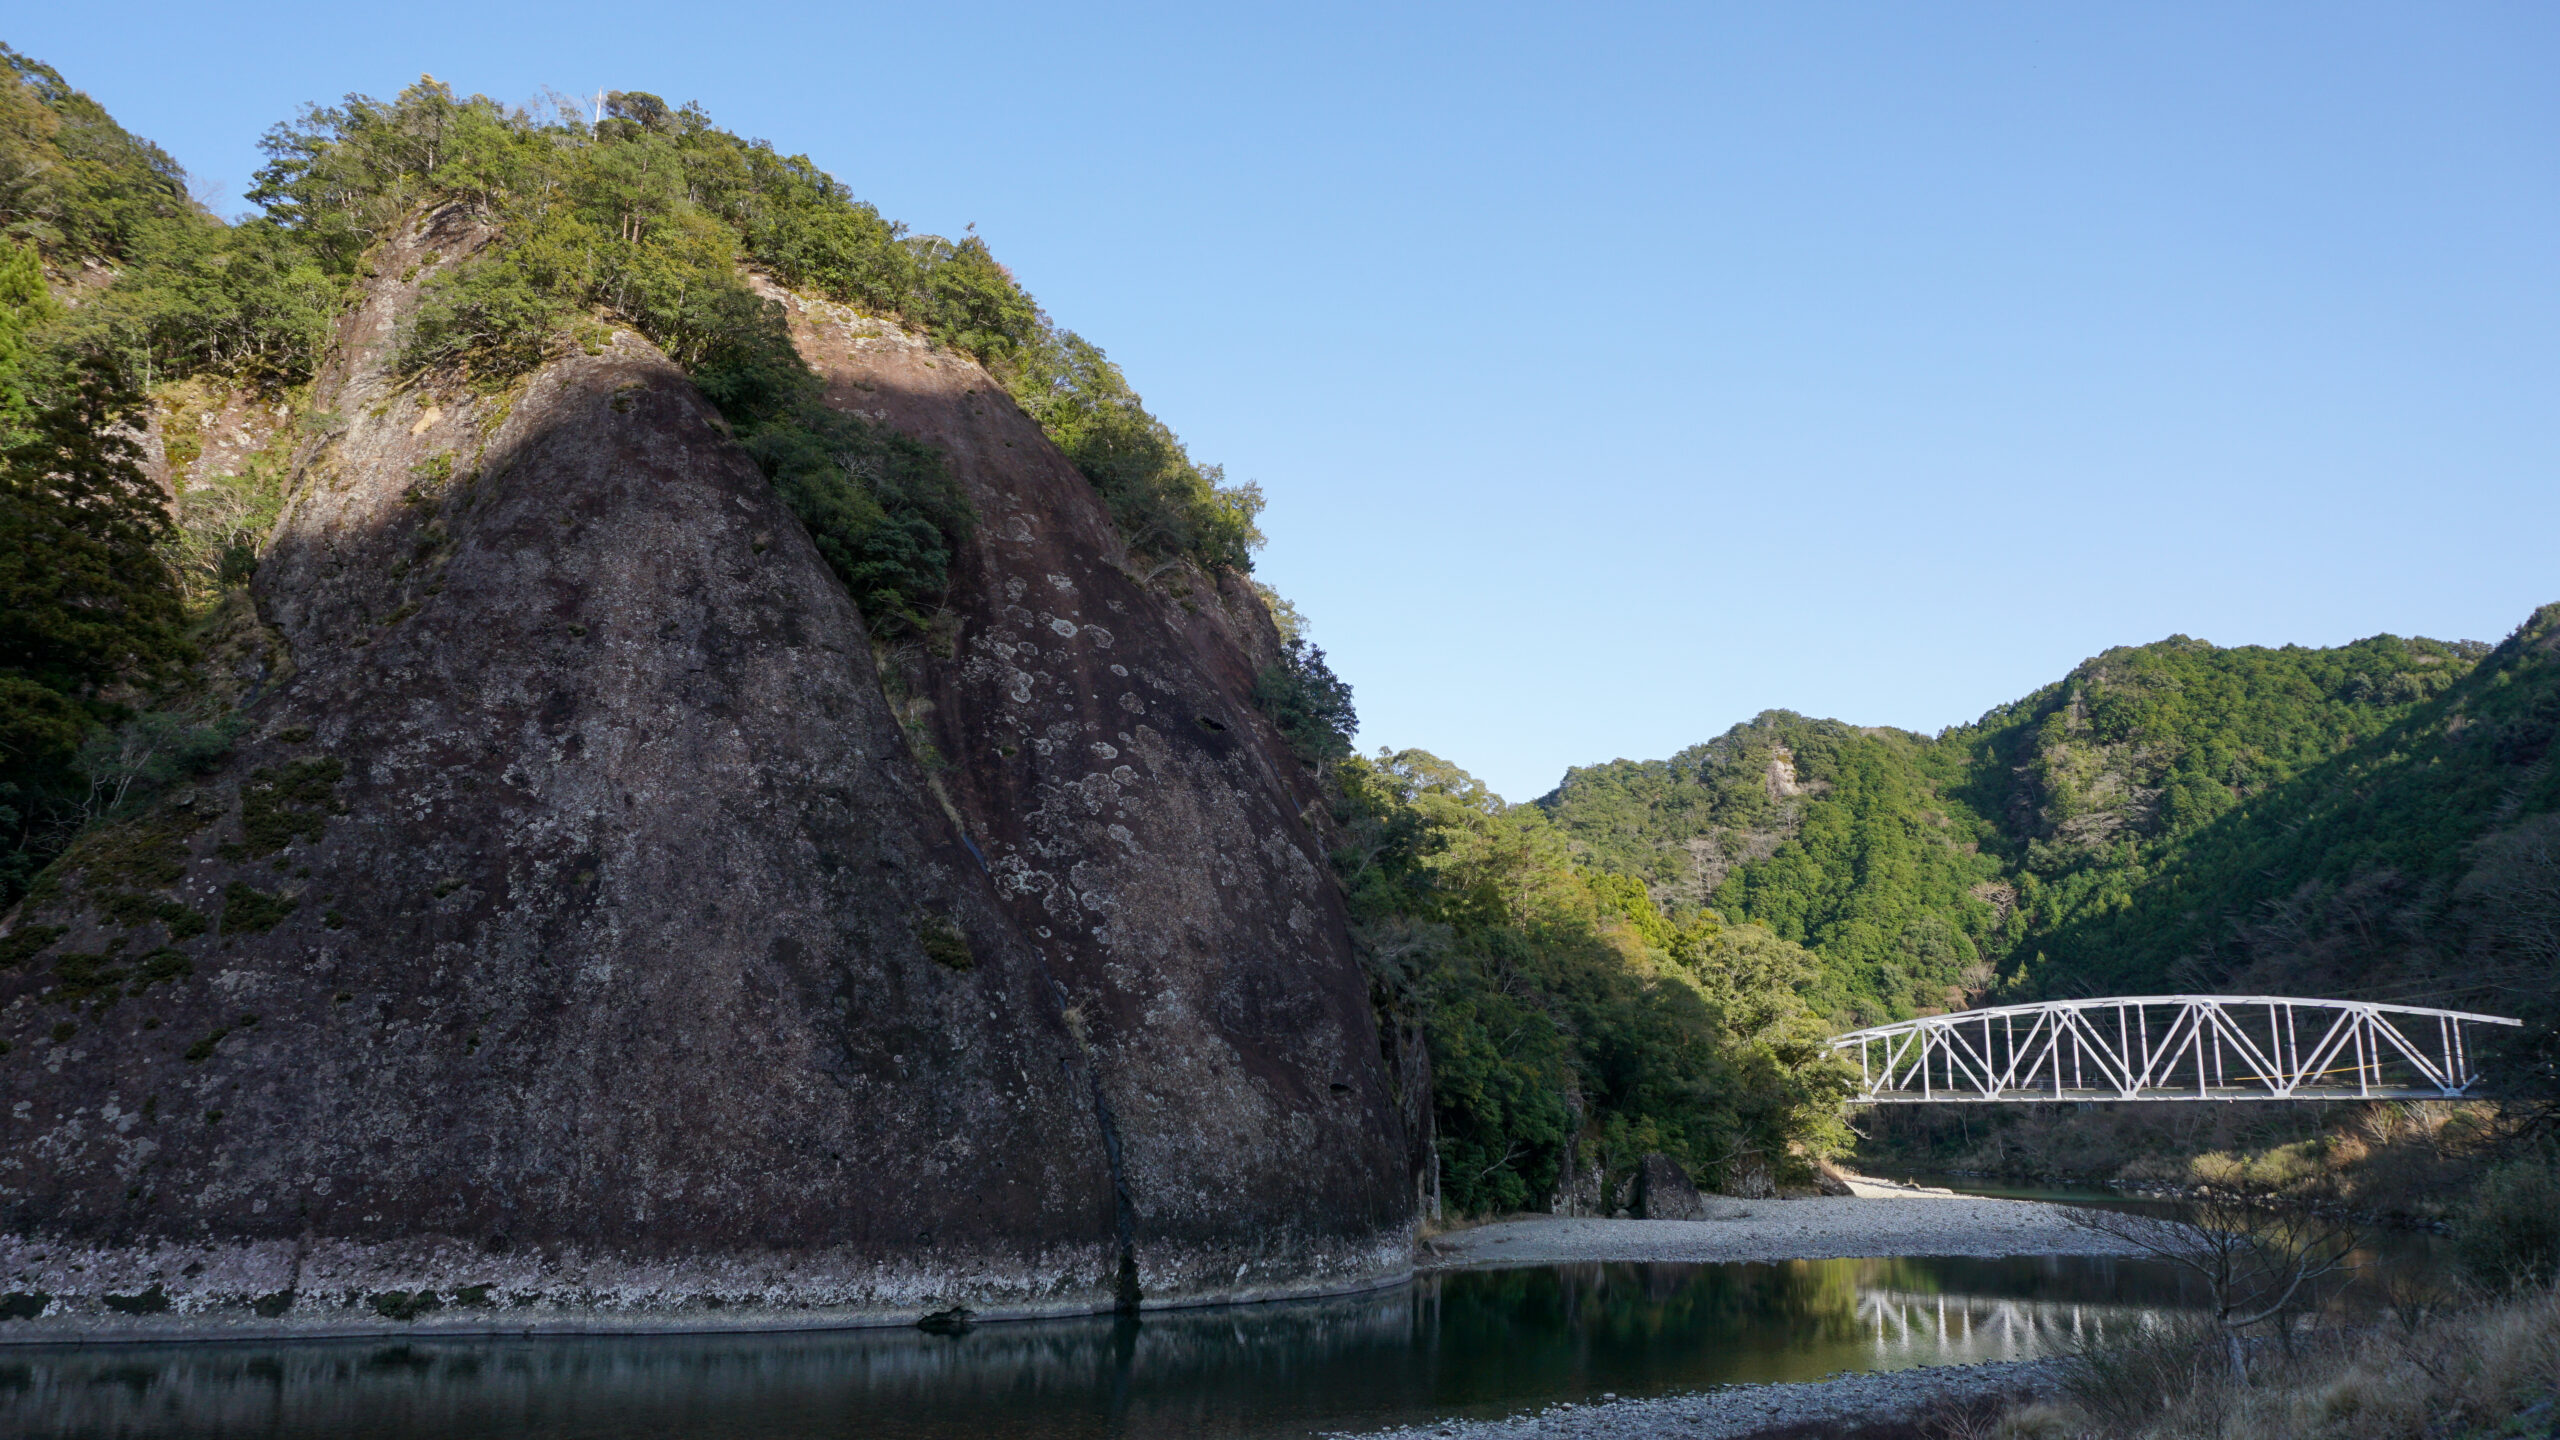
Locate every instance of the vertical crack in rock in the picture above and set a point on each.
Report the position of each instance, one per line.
(1127, 1294)
(1124, 1214)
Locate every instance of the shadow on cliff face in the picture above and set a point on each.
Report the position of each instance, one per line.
(582, 893)
(1149, 831)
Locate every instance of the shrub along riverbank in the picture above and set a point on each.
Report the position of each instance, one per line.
(2475, 1354)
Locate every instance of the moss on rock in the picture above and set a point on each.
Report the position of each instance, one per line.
(280, 804)
(247, 910)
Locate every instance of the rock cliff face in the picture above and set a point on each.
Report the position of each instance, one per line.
(582, 927)
(1143, 825)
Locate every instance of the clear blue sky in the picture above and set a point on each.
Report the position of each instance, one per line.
(1616, 373)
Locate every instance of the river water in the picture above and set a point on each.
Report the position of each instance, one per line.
(1473, 1343)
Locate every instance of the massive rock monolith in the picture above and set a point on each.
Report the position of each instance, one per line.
(581, 933)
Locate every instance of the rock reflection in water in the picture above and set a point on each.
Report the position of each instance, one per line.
(1475, 1343)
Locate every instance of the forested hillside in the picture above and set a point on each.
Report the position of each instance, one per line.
(2371, 819)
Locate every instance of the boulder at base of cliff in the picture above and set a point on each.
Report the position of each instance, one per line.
(1662, 1191)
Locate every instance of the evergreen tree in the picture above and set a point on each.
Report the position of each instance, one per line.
(87, 607)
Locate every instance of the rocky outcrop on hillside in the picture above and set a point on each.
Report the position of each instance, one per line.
(584, 928)
(1706, 812)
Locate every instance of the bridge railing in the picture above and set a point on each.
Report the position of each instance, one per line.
(2171, 1047)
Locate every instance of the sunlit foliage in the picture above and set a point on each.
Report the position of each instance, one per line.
(1569, 1020)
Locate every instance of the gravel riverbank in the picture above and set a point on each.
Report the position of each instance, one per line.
(1738, 1412)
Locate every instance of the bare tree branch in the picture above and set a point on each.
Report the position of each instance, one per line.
(2261, 1258)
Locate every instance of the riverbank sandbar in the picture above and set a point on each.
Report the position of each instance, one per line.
(1819, 1228)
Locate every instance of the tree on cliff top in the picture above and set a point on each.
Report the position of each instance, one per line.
(650, 213)
(73, 183)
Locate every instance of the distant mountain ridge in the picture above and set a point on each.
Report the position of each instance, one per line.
(2354, 819)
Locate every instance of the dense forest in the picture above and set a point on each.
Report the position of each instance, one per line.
(2374, 820)
(1571, 1025)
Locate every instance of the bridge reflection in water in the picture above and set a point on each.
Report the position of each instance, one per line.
(1930, 1326)
(1474, 1343)
(2172, 1047)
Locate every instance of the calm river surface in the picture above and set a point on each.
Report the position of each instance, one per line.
(1475, 1343)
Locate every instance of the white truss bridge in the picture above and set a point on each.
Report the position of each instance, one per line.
(2170, 1047)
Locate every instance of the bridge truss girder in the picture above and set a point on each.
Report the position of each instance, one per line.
(2170, 1047)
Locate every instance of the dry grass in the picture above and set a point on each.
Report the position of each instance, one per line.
(2409, 1158)
(1429, 1228)
(1450, 1223)
(2490, 1369)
